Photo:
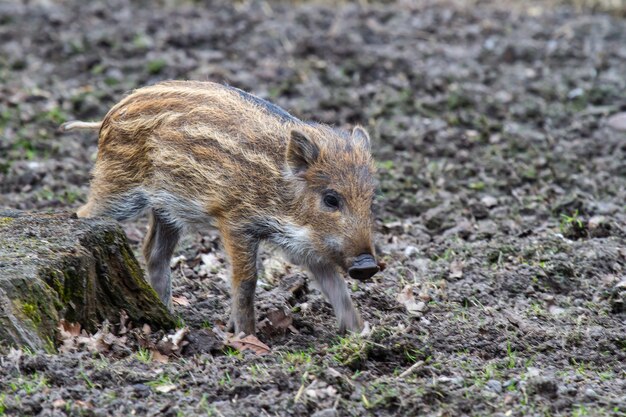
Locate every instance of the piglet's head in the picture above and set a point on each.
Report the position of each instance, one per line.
(333, 176)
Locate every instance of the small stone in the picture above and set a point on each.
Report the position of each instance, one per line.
(410, 251)
(328, 412)
(141, 390)
(487, 228)
(617, 121)
(450, 380)
(494, 385)
(489, 201)
(543, 386)
(590, 394)
(575, 93)
(555, 310)
(395, 227)
(479, 211)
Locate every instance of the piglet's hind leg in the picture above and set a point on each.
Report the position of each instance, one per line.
(158, 248)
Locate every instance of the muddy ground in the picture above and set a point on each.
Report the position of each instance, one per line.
(501, 214)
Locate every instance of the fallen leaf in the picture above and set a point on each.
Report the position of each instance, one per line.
(180, 300)
(367, 330)
(165, 388)
(68, 329)
(173, 343)
(177, 260)
(208, 265)
(158, 356)
(456, 269)
(177, 338)
(59, 403)
(406, 297)
(100, 342)
(83, 404)
(123, 322)
(275, 324)
(249, 342)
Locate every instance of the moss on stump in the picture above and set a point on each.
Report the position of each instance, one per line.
(55, 266)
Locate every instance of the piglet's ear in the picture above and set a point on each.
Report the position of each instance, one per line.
(361, 136)
(302, 152)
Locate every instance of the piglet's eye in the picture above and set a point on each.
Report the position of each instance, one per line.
(331, 201)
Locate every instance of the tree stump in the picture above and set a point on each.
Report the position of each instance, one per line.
(55, 266)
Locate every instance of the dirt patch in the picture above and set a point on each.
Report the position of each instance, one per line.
(501, 210)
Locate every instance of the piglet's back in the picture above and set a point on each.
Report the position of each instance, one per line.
(198, 139)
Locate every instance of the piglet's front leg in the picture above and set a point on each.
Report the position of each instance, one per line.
(336, 291)
(242, 253)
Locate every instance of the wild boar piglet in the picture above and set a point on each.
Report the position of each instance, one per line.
(199, 153)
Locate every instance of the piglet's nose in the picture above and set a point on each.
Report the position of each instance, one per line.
(364, 267)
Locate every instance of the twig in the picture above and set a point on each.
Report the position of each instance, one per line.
(412, 369)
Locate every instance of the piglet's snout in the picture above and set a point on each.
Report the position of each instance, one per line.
(364, 267)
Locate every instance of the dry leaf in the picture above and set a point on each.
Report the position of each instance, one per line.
(456, 269)
(382, 265)
(249, 342)
(177, 260)
(158, 356)
(73, 340)
(276, 324)
(367, 330)
(165, 388)
(68, 329)
(59, 403)
(177, 338)
(83, 404)
(180, 300)
(123, 322)
(173, 343)
(406, 297)
(208, 264)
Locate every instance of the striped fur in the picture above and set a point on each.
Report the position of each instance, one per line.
(200, 153)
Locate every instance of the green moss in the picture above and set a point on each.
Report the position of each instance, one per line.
(155, 66)
(5, 221)
(133, 266)
(32, 312)
(38, 306)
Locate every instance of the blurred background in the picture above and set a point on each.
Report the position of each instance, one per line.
(435, 82)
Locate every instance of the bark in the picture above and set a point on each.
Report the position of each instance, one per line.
(55, 266)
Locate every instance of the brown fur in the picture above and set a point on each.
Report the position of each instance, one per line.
(199, 153)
